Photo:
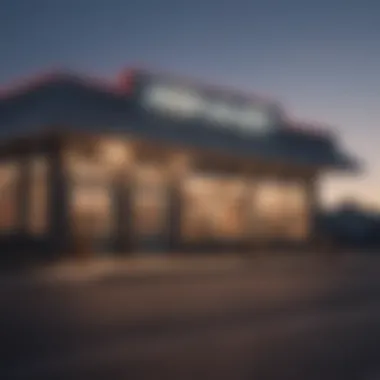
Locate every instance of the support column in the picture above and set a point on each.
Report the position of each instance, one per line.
(22, 244)
(312, 196)
(179, 168)
(123, 182)
(60, 228)
(248, 211)
(123, 215)
(256, 241)
(23, 194)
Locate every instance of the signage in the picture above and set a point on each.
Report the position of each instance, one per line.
(188, 103)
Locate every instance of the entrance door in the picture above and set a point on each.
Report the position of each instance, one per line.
(93, 217)
(150, 209)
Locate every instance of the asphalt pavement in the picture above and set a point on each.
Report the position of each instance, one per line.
(237, 320)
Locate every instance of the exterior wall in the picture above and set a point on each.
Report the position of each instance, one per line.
(26, 203)
(249, 210)
(115, 195)
(146, 197)
(142, 187)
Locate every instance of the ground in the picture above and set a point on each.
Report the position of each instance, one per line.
(207, 318)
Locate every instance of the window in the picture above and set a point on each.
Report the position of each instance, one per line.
(91, 209)
(212, 208)
(9, 196)
(91, 202)
(296, 210)
(149, 200)
(199, 209)
(279, 210)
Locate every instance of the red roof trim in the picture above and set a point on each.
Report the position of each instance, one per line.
(124, 86)
(28, 84)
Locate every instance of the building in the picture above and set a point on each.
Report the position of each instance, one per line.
(351, 226)
(155, 163)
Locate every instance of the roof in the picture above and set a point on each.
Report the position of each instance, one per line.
(73, 102)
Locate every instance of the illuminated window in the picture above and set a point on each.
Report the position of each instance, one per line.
(297, 211)
(231, 221)
(37, 216)
(149, 200)
(279, 210)
(213, 209)
(90, 189)
(9, 186)
(92, 209)
(114, 153)
(199, 209)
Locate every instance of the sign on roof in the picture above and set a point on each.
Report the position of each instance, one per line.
(183, 102)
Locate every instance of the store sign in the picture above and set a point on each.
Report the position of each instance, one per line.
(189, 104)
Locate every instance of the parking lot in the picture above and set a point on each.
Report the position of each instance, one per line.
(192, 318)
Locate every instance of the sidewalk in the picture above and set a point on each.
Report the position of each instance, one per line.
(142, 267)
(139, 267)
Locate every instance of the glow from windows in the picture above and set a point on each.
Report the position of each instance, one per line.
(38, 196)
(9, 202)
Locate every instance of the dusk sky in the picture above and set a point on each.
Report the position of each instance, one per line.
(320, 58)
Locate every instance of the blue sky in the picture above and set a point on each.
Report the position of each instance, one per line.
(320, 58)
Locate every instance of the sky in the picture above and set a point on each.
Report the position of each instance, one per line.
(321, 59)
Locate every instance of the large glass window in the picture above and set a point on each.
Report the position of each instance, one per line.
(213, 208)
(279, 210)
(296, 209)
(150, 200)
(217, 207)
(9, 196)
(37, 215)
(91, 209)
(90, 189)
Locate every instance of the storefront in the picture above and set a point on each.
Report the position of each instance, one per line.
(160, 166)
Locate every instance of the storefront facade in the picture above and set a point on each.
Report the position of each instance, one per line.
(168, 172)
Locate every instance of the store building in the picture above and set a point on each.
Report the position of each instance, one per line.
(155, 163)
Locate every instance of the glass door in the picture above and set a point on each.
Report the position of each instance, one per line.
(93, 215)
(150, 208)
(92, 206)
